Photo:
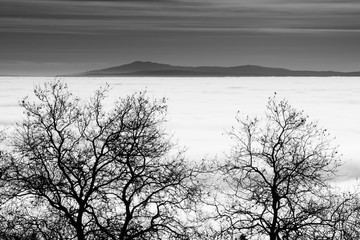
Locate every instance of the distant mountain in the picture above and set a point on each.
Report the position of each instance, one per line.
(139, 68)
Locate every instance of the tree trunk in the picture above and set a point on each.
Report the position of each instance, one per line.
(273, 235)
(80, 233)
(273, 230)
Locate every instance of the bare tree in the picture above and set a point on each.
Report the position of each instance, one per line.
(85, 173)
(342, 218)
(277, 176)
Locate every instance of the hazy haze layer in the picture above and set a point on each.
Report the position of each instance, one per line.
(201, 110)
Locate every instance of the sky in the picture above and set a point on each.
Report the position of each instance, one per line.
(50, 37)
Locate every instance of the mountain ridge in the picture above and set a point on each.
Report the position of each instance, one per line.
(147, 68)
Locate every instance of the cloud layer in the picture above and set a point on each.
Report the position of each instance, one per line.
(298, 34)
(90, 16)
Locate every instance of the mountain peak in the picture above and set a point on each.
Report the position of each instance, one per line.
(146, 63)
(141, 62)
(147, 68)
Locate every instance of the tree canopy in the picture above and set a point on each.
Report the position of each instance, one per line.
(277, 176)
(75, 169)
(80, 172)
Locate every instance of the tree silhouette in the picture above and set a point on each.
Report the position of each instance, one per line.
(80, 172)
(342, 218)
(276, 178)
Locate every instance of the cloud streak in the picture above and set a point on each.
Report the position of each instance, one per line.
(115, 15)
(197, 31)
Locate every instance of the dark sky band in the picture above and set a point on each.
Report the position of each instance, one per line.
(63, 36)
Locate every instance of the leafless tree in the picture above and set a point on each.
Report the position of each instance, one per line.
(276, 178)
(341, 219)
(80, 172)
